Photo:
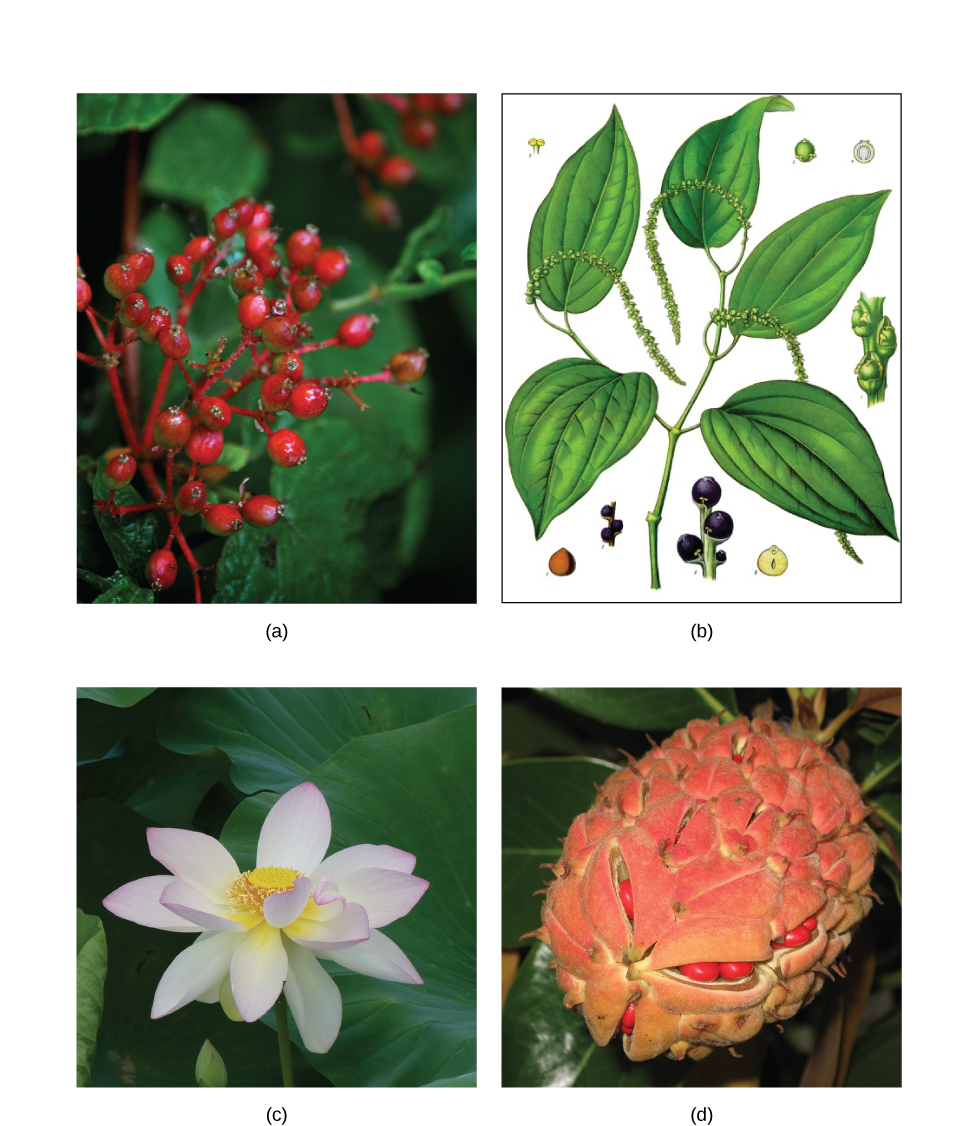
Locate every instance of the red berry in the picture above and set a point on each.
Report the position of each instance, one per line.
(626, 893)
(246, 278)
(224, 223)
(215, 414)
(252, 309)
(308, 400)
(425, 103)
(245, 207)
(276, 391)
(174, 342)
(279, 333)
(290, 363)
(810, 924)
(397, 171)
(178, 269)
(306, 293)
(159, 318)
(191, 498)
(450, 103)
(732, 970)
(205, 446)
(383, 209)
(331, 265)
(172, 428)
(267, 260)
(407, 367)
(263, 215)
(259, 238)
(419, 131)
(357, 330)
(134, 310)
(629, 1018)
(700, 971)
(120, 280)
(222, 519)
(737, 758)
(302, 246)
(84, 295)
(262, 511)
(142, 263)
(161, 569)
(286, 449)
(198, 248)
(372, 145)
(119, 471)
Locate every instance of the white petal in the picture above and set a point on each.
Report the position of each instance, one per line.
(364, 856)
(297, 830)
(386, 895)
(194, 972)
(258, 969)
(344, 930)
(379, 957)
(327, 892)
(191, 904)
(139, 902)
(286, 906)
(195, 858)
(314, 999)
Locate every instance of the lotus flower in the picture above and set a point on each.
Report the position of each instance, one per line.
(260, 929)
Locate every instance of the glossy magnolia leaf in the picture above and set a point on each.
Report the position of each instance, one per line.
(803, 449)
(800, 271)
(567, 423)
(594, 206)
(725, 152)
(645, 709)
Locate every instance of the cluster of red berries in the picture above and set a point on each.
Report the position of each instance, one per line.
(272, 332)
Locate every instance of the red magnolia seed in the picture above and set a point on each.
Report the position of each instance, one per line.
(630, 1016)
(700, 971)
(626, 897)
(732, 970)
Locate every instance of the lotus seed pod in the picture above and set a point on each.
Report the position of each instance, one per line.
(805, 152)
(729, 838)
(773, 561)
(887, 341)
(561, 562)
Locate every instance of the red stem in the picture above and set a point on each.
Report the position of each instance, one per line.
(123, 412)
(157, 403)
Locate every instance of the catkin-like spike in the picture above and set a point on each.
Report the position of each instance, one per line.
(650, 237)
(845, 543)
(534, 289)
(767, 320)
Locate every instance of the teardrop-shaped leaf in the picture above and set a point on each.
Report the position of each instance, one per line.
(803, 449)
(594, 206)
(800, 271)
(567, 423)
(725, 152)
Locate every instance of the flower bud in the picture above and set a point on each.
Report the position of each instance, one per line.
(887, 341)
(210, 1069)
(861, 321)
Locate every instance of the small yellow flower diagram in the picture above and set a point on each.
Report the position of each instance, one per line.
(536, 143)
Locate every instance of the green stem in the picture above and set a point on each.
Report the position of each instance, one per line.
(403, 291)
(567, 331)
(284, 1042)
(579, 342)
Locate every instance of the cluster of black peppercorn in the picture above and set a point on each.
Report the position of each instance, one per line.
(614, 527)
(716, 528)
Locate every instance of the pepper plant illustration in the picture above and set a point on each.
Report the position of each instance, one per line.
(792, 442)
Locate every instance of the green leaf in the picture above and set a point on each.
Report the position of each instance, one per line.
(800, 271)
(118, 697)
(123, 591)
(647, 709)
(117, 113)
(101, 726)
(725, 152)
(470, 252)
(431, 238)
(593, 205)
(566, 424)
(275, 736)
(91, 968)
(211, 150)
(130, 538)
(540, 798)
(801, 448)
(430, 270)
(876, 1058)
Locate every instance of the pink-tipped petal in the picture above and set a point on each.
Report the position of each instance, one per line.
(139, 903)
(326, 892)
(386, 895)
(378, 957)
(364, 856)
(194, 906)
(297, 830)
(257, 971)
(194, 972)
(344, 930)
(195, 859)
(282, 909)
(313, 997)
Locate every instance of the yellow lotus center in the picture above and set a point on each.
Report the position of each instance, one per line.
(249, 891)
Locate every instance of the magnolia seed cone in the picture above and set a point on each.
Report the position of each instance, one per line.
(731, 835)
